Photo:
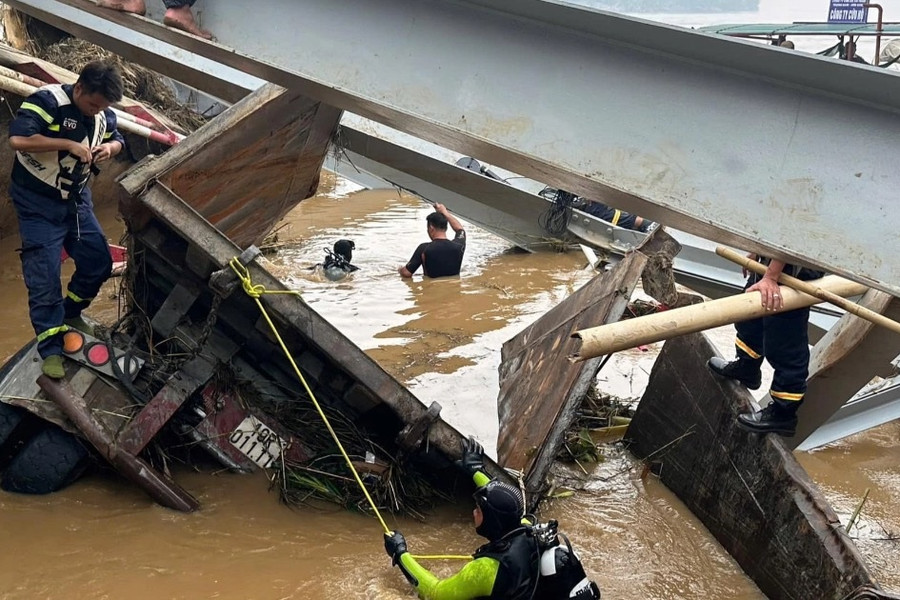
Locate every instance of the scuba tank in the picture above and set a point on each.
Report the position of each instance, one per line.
(561, 572)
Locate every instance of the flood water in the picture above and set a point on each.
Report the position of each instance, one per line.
(103, 539)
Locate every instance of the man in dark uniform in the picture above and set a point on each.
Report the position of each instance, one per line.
(59, 134)
(506, 567)
(441, 257)
(783, 340)
(617, 217)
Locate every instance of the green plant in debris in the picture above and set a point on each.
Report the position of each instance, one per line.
(599, 416)
(581, 447)
(326, 476)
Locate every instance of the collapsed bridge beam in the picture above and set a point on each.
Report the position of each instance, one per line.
(640, 115)
(748, 490)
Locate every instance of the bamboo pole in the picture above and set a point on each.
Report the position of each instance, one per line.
(126, 122)
(811, 289)
(12, 74)
(606, 339)
(7, 69)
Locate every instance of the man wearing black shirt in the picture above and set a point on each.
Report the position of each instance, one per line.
(441, 257)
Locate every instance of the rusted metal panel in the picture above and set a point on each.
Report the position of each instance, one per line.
(540, 389)
(224, 412)
(159, 487)
(747, 489)
(244, 170)
(846, 359)
(162, 406)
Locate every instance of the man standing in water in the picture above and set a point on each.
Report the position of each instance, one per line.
(441, 257)
(178, 13)
(60, 134)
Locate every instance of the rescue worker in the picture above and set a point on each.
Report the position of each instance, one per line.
(441, 257)
(337, 263)
(60, 134)
(783, 340)
(506, 567)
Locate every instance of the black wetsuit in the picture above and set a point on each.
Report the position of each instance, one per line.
(439, 258)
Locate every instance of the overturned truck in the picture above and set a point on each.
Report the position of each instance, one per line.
(215, 354)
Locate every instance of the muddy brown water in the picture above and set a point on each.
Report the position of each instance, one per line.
(102, 538)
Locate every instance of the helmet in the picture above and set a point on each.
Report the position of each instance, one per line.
(502, 508)
(345, 248)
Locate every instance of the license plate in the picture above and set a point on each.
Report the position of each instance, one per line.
(257, 442)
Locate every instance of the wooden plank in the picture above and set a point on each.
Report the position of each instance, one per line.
(844, 361)
(747, 489)
(147, 423)
(245, 169)
(540, 389)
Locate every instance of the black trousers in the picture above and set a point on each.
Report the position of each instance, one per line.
(783, 340)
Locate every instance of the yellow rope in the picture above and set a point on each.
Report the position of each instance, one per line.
(255, 291)
(442, 556)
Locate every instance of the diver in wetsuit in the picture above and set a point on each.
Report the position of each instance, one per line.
(521, 561)
(506, 567)
(337, 262)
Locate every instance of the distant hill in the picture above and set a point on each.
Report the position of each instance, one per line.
(673, 6)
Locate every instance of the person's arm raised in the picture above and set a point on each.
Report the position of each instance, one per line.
(452, 221)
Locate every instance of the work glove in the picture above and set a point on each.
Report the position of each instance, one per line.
(472, 459)
(394, 545)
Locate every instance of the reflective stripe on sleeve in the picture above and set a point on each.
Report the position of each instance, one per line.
(37, 110)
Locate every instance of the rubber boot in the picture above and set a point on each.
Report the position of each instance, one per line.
(80, 324)
(776, 417)
(53, 367)
(744, 371)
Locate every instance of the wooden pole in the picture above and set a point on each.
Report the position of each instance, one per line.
(20, 87)
(606, 339)
(813, 290)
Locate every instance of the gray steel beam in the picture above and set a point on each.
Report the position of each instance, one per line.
(143, 47)
(757, 147)
(503, 210)
(865, 411)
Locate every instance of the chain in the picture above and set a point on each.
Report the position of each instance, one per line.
(204, 332)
